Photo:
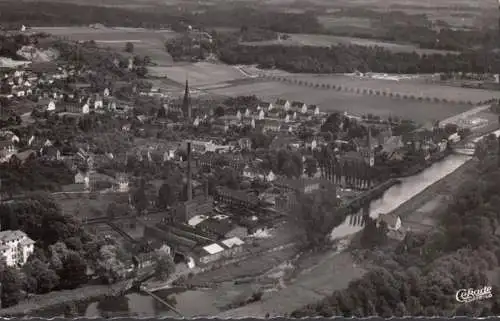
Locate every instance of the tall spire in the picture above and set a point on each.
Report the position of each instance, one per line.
(369, 139)
(186, 105)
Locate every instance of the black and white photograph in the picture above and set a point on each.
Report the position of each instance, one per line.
(249, 158)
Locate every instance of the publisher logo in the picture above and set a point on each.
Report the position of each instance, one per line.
(469, 295)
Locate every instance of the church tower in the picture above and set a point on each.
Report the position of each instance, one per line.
(186, 103)
(368, 153)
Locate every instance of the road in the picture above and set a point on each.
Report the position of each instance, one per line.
(454, 119)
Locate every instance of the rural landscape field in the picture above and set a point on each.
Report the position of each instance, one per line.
(330, 40)
(146, 41)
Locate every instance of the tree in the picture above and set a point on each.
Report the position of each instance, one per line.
(317, 214)
(11, 281)
(373, 235)
(219, 111)
(73, 272)
(110, 268)
(129, 47)
(167, 196)
(40, 277)
(311, 166)
(164, 264)
(140, 200)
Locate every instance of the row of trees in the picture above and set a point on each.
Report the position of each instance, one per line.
(366, 91)
(427, 269)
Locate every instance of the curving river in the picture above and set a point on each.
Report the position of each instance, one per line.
(206, 302)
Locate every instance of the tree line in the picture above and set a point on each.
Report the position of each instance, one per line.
(351, 58)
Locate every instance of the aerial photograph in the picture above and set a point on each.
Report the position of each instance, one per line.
(249, 158)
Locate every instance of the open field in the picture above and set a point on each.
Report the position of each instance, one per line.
(146, 42)
(329, 40)
(410, 87)
(199, 74)
(332, 22)
(330, 100)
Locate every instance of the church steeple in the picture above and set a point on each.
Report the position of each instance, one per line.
(369, 139)
(186, 105)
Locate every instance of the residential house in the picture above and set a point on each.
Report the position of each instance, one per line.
(203, 146)
(210, 253)
(298, 106)
(253, 172)
(245, 143)
(7, 149)
(393, 221)
(234, 245)
(220, 126)
(23, 157)
(50, 152)
(80, 177)
(15, 247)
(267, 106)
(282, 104)
(268, 125)
(313, 110)
(394, 225)
(51, 106)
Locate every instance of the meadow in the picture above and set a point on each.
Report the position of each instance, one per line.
(330, 100)
(199, 74)
(411, 87)
(318, 40)
(146, 42)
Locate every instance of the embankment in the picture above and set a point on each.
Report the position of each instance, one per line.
(61, 298)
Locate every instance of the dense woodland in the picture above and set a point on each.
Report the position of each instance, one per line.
(342, 59)
(421, 275)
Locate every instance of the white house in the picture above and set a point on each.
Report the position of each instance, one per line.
(79, 178)
(262, 114)
(98, 104)
(122, 182)
(51, 106)
(211, 253)
(393, 221)
(15, 247)
(271, 177)
(196, 122)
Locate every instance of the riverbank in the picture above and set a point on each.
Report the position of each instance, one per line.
(58, 300)
(334, 271)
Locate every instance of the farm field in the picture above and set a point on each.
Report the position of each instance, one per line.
(146, 42)
(199, 74)
(329, 40)
(330, 100)
(411, 87)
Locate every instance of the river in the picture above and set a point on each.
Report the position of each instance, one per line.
(208, 302)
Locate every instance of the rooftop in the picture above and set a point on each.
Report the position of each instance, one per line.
(213, 248)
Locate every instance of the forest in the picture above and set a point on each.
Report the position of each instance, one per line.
(346, 59)
(420, 275)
